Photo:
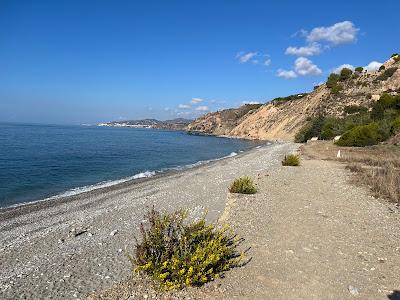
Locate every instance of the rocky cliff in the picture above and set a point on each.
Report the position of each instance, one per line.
(282, 118)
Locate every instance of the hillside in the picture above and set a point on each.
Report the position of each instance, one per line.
(282, 118)
(223, 122)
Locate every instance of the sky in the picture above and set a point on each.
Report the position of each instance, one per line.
(76, 62)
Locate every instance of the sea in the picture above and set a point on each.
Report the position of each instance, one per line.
(39, 162)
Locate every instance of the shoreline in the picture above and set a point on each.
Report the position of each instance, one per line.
(116, 183)
(77, 245)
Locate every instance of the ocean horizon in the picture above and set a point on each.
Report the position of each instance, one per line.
(39, 161)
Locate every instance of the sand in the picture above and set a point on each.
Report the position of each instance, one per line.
(310, 234)
(70, 248)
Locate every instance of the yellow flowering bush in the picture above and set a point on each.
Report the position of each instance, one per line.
(178, 253)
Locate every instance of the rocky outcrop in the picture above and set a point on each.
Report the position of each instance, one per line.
(222, 122)
(284, 118)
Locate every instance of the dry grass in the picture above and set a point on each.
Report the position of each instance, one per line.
(377, 166)
(382, 177)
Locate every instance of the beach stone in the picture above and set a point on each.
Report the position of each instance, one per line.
(353, 290)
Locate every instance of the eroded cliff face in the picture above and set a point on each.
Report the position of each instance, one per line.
(222, 122)
(282, 120)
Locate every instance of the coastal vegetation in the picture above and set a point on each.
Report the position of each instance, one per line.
(243, 185)
(382, 176)
(359, 126)
(291, 160)
(280, 100)
(176, 252)
(377, 167)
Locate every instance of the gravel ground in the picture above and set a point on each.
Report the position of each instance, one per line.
(73, 247)
(311, 235)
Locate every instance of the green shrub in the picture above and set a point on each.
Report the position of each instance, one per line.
(395, 126)
(280, 100)
(364, 135)
(336, 89)
(394, 55)
(176, 253)
(345, 74)
(332, 80)
(243, 185)
(352, 109)
(359, 69)
(381, 68)
(389, 72)
(377, 112)
(291, 160)
(312, 129)
(387, 100)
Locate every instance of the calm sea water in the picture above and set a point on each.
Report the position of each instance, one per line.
(42, 161)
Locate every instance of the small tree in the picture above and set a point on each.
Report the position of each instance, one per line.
(359, 69)
(332, 80)
(345, 74)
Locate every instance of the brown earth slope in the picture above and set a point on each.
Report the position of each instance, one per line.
(282, 120)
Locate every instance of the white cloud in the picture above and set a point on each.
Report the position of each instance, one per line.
(184, 106)
(245, 57)
(373, 66)
(254, 58)
(339, 33)
(287, 74)
(309, 50)
(202, 108)
(303, 66)
(250, 102)
(196, 100)
(184, 113)
(338, 69)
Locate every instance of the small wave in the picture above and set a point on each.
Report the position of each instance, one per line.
(100, 185)
(88, 188)
(104, 184)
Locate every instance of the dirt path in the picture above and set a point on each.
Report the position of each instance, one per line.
(312, 236)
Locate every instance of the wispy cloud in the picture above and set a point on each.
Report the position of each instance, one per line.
(184, 106)
(202, 108)
(196, 100)
(244, 57)
(254, 58)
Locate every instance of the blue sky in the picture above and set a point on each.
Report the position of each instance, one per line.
(92, 61)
